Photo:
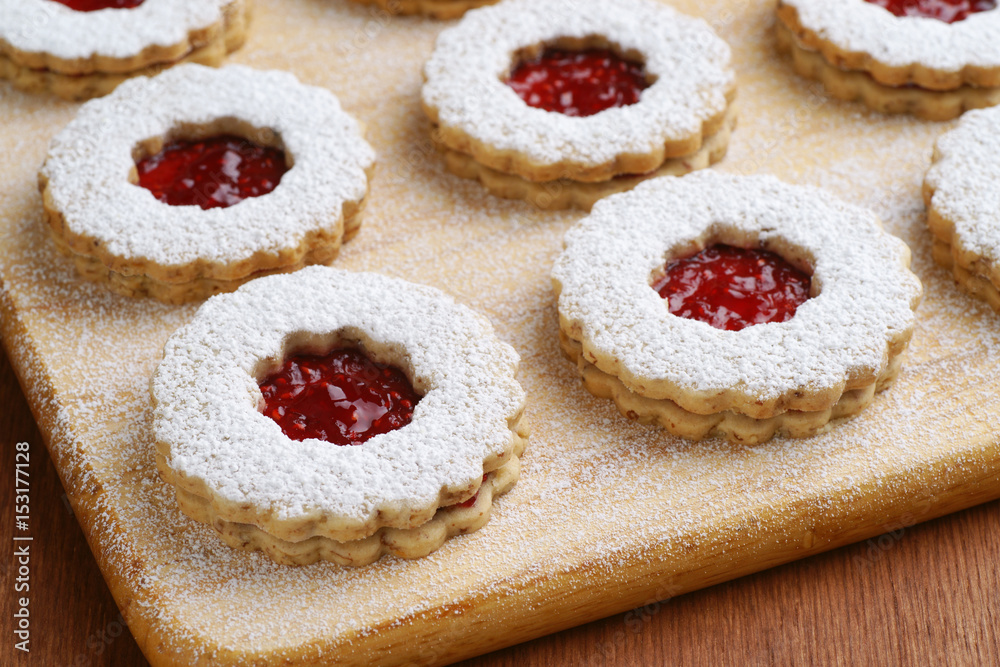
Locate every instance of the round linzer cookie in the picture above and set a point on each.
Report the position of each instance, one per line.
(562, 103)
(338, 416)
(439, 9)
(963, 203)
(80, 49)
(734, 306)
(934, 59)
(192, 182)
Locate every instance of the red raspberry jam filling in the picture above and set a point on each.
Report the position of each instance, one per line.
(578, 83)
(732, 288)
(94, 5)
(342, 397)
(472, 501)
(211, 173)
(949, 11)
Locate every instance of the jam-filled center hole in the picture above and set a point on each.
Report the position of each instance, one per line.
(578, 81)
(216, 171)
(949, 11)
(733, 288)
(94, 5)
(342, 397)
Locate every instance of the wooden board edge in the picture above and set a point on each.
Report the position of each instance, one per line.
(86, 496)
(480, 623)
(646, 585)
(486, 622)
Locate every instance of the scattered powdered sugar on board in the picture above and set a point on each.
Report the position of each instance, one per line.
(598, 494)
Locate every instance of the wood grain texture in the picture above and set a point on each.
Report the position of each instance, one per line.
(608, 514)
(74, 620)
(925, 595)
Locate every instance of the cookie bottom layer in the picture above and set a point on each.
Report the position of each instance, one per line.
(404, 543)
(567, 193)
(414, 542)
(732, 426)
(972, 273)
(320, 251)
(860, 86)
(324, 526)
(80, 87)
(919, 73)
(439, 9)
(973, 282)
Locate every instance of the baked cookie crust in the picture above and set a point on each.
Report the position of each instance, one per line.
(936, 105)
(439, 9)
(727, 424)
(566, 193)
(119, 234)
(82, 55)
(963, 203)
(476, 113)
(896, 51)
(233, 465)
(842, 341)
(409, 543)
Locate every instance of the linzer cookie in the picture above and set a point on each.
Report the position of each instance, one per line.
(439, 9)
(734, 306)
(338, 416)
(562, 103)
(79, 49)
(934, 59)
(963, 203)
(192, 182)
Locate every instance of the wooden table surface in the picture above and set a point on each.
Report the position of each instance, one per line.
(927, 594)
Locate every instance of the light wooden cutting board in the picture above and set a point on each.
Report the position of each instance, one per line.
(608, 515)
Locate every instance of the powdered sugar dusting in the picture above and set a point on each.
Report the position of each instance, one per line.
(465, 78)
(965, 179)
(599, 497)
(206, 397)
(862, 27)
(43, 26)
(865, 302)
(89, 163)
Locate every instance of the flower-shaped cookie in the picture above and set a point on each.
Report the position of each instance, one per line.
(80, 49)
(121, 233)
(439, 9)
(963, 203)
(531, 95)
(302, 499)
(825, 362)
(931, 59)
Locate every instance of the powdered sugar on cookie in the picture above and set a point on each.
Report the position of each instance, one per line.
(689, 65)
(43, 26)
(208, 426)
(861, 311)
(858, 26)
(90, 161)
(964, 182)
